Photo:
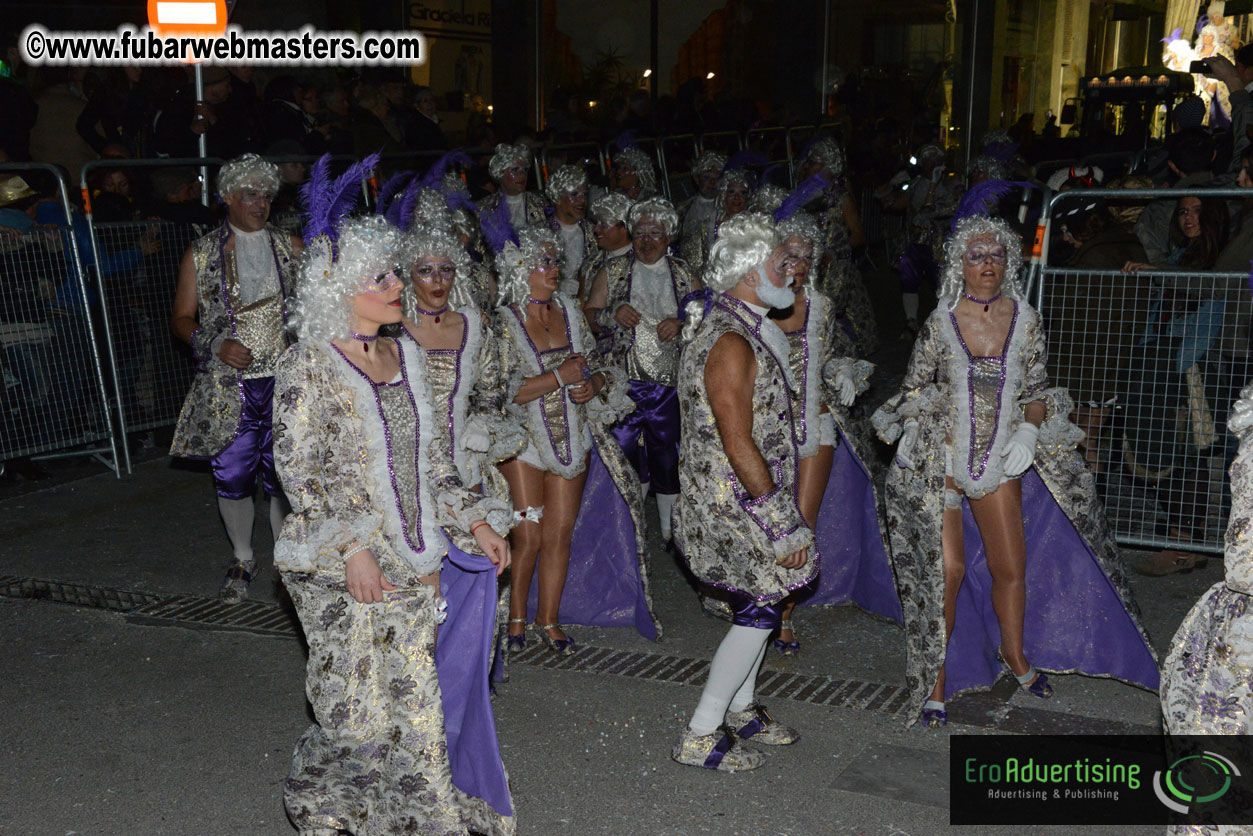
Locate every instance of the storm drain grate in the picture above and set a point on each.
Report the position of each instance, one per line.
(656, 667)
(271, 619)
(260, 617)
(80, 595)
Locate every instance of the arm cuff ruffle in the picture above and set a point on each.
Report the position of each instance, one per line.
(462, 511)
(494, 437)
(889, 420)
(308, 545)
(612, 403)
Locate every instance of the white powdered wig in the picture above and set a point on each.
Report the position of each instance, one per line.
(709, 161)
(565, 180)
(744, 244)
(952, 284)
(828, 155)
(639, 162)
(516, 263)
(656, 209)
(767, 198)
(803, 226)
(439, 241)
(368, 247)
(247, 171)
(612, 207)
(506, 155)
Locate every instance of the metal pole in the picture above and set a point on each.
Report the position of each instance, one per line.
(539, 65)
(972, 73)
(204, 141)
(826, 50)
(653, 58)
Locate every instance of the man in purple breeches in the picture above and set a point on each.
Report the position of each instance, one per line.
(231, 306)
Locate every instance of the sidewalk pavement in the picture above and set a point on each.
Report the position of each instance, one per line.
(139, 711)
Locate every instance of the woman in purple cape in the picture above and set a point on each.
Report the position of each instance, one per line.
(835, 489)
(576, 499)
(989, 503)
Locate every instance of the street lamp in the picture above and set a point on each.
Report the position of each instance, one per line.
(709, 75)
(648, 72)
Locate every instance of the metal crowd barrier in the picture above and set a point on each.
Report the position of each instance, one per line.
(1154, 361)
(552, 157)
(54, 401)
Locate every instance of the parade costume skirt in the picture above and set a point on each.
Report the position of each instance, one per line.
(855, 563)
(385, 756)
(606, 583)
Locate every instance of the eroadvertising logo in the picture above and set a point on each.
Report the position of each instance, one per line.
(1092, 779)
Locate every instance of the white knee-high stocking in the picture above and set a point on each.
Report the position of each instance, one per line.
(665, 504)
(237, 514)
(739, 655)
(744, 696)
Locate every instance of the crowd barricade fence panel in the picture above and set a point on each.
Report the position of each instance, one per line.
(724, 142)
(1153, 360)
(678, 153)
(54, 397)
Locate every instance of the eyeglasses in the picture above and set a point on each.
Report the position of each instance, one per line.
(515, 170)
(581, 194)
(547, 261)
(607, 224)
(429, 272)
(381, 283)
(978, 256)
(657, 235)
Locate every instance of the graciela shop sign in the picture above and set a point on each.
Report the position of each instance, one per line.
(1091, 779)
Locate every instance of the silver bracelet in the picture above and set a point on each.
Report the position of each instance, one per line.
(559, 383)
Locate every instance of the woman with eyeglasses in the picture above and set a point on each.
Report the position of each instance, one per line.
(989, 503)
(835, 489)
(570, 461)
(403, 738)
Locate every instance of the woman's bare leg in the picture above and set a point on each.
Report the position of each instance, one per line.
(526, 487)
(999, 515)
(953, 545)
(810, 486)
(561, 508)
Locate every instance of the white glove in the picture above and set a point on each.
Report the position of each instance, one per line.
(905, 449)
(847, 389)
(1020, 449)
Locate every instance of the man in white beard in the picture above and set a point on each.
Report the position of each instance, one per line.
(737, 522)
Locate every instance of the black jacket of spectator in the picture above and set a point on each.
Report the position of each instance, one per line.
(18, 112)
(230, 136)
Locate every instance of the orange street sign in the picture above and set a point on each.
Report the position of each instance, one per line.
(187, 18)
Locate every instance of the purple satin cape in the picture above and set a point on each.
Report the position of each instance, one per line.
(603, 587)
(463, 654)
(855, 564)
(1075, 619)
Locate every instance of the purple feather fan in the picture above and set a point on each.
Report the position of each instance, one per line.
(805, 191)
(1173, 36)
(1202, 23)
(435, 174)
(745, 158)
(329, 201)
(387, 194)
(497, 228)
(982, 197)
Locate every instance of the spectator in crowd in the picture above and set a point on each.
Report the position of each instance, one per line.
(60, 99)
(119, 111)
(183, 120)
(425, 131)
(401, 114)
(333, 120)
(292, 176)
(176, 197)
(1099, 241)
(283, 116)
(370, 124)
(20, 112)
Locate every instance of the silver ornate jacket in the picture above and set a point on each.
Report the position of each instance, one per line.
(729, 538)
(341, 473)
(639, 350)
(558, 430)
(209, 420)
(468, 390)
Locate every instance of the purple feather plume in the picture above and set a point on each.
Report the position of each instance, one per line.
(435, 174)
(982, 197)
(1173, 36)
(745, 158)
(329, 201)
(388, 193)
(401, 212)
(460, 200)
(497, 228)
(805, 191)
(1202, 23)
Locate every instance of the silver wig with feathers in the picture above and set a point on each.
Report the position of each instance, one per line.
(952, 282)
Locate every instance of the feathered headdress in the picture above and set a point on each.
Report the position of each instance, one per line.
(805, 191)
(328, 201)
(497, 228)
(434, 176)
(387, 194)
(980, 198)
